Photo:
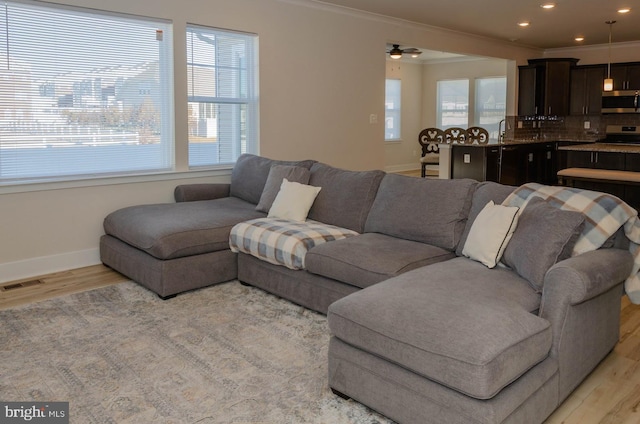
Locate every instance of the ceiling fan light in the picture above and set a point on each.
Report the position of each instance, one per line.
(395, 52)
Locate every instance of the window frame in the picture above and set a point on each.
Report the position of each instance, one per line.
(248, 74)
(165, 80)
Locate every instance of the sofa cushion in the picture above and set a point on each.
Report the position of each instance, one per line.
(173, 230)
(370, 258)
(485, 192)
(428, 211)
(297, 174)
(457, 322)
(346, 196)
(250, 173)
(546, 231)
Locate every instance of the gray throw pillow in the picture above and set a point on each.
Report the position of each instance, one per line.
(544, 235)
(277, 173)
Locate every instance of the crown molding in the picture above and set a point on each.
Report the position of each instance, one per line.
(334, 8)
(595, 47)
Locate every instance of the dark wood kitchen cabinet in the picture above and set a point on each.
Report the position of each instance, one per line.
(626, 76)
(529, 162)
(510, 164)
(598, 160)
(586, 89)
(544, 87)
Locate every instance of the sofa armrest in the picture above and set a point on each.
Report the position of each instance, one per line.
(585, 276)
(581, 301)
(192, 192)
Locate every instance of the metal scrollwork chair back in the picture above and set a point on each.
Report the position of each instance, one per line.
(455, 135)
(429, 138)
(477, 135)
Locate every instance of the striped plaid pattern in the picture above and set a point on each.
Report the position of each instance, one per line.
(283, 242)
(604, 215)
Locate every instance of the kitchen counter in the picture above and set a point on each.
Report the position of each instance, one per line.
(602, 147)
(519, 141)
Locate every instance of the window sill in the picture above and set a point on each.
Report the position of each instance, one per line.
(224, 170)
(394, 141)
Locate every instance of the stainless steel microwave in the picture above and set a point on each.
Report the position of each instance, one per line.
(623, 101)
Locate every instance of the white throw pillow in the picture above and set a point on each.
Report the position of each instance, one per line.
(490, 233)
(293, 201)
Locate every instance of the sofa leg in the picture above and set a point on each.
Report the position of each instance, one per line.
(245, 284)
(340, 394)
(171, 296)
(423, 170)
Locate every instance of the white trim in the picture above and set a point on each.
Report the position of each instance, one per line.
(102, 181)
(403, 167)
(43, 265)
(408, 25)
(593, 47)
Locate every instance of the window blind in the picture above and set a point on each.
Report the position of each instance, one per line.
(82, 93)
(393, 109)
(222, 95)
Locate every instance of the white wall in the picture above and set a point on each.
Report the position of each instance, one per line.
(322, 74)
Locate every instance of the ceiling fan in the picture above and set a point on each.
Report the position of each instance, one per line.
(396, 52)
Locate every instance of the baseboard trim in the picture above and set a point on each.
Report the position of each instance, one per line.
(402, 168)
(43, 265)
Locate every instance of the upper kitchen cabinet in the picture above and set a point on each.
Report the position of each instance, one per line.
(544, 87)
(586, 89)
(626, 76)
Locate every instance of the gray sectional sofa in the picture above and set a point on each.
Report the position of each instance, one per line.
(419, 332)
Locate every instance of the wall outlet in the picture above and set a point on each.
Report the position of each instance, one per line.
(587, 125)
(466, 158)
(373, 118)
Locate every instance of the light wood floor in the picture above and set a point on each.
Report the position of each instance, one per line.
(35, 289)
(611, 394)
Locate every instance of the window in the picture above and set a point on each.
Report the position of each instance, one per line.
(453, 103)
(83, 93)
(489, 103)
(491, 99)
(223, 95)
(392, 109)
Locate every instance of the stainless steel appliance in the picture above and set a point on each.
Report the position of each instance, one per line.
(622, 134)
(622, 101)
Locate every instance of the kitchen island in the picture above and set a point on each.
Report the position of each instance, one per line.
(512, 162)
(621, 159)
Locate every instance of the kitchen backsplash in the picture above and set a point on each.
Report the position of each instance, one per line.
(558, 128)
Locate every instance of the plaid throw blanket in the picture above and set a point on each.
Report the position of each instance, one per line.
(283, 242)
(604, 215)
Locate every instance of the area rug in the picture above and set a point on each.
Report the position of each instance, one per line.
(224, 354)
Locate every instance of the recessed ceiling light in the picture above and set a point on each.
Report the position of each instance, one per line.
(624, 10)
(579, 38)
(524, 23)
(548, 6)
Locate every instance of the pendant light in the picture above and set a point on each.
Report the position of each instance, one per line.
(608, 82)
